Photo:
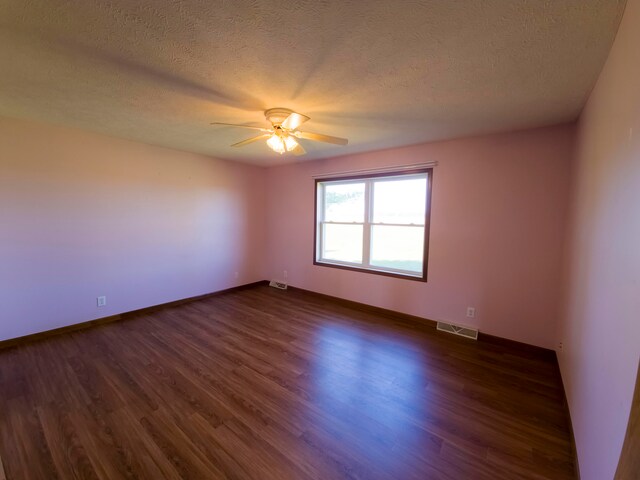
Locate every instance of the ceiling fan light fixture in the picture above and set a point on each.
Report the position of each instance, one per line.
(276, 144)
(281, 143)
(290, 143)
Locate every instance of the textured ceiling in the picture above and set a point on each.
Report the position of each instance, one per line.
(383, 73)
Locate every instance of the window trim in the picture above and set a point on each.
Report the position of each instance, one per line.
(385, 272)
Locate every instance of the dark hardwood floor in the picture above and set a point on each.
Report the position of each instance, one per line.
(269, 384)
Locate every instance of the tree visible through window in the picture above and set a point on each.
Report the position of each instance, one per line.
(378, 223)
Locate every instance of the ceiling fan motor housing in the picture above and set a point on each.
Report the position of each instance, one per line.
(277, 115)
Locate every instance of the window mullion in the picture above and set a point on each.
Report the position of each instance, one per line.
(366, 228)
(320, 219)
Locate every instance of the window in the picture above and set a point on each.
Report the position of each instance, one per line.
(375, 223)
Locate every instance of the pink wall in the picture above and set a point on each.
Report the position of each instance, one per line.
(601, 327)
(498, 215)
(84, 215)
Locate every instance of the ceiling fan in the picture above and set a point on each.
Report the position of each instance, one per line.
(282, 135)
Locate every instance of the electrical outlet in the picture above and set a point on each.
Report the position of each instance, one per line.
(560, 346)
(471, 312)
(285, 275)
(102, 301)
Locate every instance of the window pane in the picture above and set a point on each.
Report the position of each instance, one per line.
(344, 202)
(400, 201)
(397, 247)
(342, 243)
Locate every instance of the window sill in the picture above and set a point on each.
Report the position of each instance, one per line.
(405, 276)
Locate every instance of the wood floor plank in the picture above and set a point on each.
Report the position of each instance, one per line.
(269, 384)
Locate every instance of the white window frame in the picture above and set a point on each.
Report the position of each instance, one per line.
(368, 223)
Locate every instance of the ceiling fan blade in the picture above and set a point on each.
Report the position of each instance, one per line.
(251, 140)
(298, 150)
(294, 120)
(321, 138)
(241, 126)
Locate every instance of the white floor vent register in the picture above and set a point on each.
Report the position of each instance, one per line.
(277, 284)
(458, 330)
